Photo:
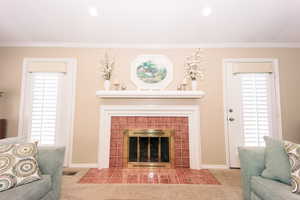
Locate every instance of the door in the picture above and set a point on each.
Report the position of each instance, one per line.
(47, 102)
(252, 110)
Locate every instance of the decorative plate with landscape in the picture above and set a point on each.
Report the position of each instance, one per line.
(151, 71)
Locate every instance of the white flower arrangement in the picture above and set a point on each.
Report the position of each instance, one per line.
(194, 65)
(107, 67)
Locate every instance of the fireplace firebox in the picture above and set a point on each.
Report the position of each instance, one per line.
(148, 148)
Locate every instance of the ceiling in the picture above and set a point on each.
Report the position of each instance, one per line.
(149, 22)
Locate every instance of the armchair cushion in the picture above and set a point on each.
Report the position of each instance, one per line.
(252, 164)
(33, 191)
(277, 166)
(51, 161)
(271, 190)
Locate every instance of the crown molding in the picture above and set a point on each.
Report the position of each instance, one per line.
(153, 46)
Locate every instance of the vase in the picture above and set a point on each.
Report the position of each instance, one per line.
(194, 84)
(106, 84)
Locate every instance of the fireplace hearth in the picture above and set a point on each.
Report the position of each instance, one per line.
(148, 148)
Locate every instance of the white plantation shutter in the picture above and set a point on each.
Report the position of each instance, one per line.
(45, 101)
(256, 110)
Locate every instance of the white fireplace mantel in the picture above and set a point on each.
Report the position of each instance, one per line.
(189, 111)
(142, 94)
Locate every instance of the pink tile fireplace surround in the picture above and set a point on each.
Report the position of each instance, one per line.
(149, 116)
(178, 124)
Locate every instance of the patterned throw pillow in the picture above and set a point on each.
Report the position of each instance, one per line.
(293, 151)
(18, 165)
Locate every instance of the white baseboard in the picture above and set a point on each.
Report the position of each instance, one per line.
(214, 167)
(83, 165)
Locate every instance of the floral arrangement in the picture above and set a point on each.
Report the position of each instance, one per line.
(107, 67)
(194, 65)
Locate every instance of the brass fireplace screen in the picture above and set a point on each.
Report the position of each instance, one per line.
(148, 148)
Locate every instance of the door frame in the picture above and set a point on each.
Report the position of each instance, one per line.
(275, 65)
(72, 75)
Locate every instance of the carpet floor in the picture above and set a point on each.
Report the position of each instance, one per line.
(228, 189)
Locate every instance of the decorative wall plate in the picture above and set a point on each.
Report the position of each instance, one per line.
(151, 72)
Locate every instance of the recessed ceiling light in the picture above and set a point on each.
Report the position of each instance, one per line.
(206, 11)
(93, 11)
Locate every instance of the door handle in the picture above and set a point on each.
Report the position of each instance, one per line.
(231, 119)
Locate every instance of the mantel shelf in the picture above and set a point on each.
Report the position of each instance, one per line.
(141, 94)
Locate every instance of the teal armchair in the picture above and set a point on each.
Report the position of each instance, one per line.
(50, 161)
(254, 186)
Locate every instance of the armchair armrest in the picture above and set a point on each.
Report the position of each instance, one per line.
(51, 161)
(252, 164)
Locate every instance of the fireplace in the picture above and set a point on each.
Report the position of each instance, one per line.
(148, 148)
(138, 132)
(182, 119)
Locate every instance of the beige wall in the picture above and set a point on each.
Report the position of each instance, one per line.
(88, 81)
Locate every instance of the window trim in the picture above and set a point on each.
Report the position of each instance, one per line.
(277, 105)
(71, 81)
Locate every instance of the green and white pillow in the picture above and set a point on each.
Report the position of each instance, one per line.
(293, 151)
(18, 165)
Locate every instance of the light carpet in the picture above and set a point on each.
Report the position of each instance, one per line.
(229, 189)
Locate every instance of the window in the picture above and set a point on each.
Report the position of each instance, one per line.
(256, 107)
(45, 102)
